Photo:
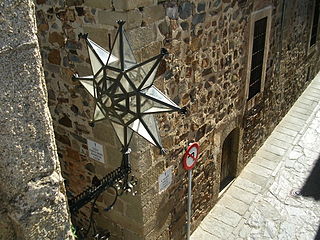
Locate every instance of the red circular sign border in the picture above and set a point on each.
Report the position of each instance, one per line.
(185, 166)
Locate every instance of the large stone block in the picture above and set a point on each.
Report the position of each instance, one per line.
(141, 37)
(7, 230)
(124, 221)
(153, 13)
(133, 18)
(150, 177)
(98, 35)
(134, 212)
(103, 4)
(104, 132)
(129, 235)
(113, 156)
(131, 4)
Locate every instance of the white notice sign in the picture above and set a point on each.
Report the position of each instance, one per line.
(165, 179)
(95, 151)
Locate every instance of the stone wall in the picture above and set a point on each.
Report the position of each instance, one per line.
(32, 193)
(59, 24)
(205, 72)
(286, 78)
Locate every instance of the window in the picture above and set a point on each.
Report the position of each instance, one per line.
(315, 23)
(259, 39)
(258, 52)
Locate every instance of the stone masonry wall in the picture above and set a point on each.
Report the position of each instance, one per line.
(287, 73)
(205, 72)
(32, 193)
(59, 23)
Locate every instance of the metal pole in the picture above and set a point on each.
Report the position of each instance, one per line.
(189, 203)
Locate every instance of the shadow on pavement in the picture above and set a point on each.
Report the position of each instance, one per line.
(311, 187)
(317, 237)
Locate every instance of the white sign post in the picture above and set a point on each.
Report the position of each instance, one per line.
(95, 151)
(165, 180)
(189, 161)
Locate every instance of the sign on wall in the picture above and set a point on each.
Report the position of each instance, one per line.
(95, 151)
(165, 179)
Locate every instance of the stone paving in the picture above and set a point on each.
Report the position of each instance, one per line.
(268, 200)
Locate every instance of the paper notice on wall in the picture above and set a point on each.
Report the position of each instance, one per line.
(95, 151)
(165, 180)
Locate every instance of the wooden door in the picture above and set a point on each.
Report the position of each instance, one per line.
(229, 159)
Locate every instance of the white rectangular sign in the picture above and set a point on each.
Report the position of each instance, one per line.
(95, 151)
(165, 179)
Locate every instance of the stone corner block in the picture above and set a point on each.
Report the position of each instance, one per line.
(125, 5)
(141, 37)
(154, 13)
(133, 18)
(102, 4)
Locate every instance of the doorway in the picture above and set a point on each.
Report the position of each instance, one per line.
(229, 158)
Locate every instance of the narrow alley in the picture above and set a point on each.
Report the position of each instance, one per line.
(277, 194)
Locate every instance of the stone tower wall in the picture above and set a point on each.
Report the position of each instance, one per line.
(205, 71)
(32, 193)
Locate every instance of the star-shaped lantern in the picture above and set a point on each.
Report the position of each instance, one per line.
(123, 90)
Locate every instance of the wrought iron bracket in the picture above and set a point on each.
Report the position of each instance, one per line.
(112, 179)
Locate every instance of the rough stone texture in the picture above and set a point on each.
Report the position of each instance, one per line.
(286, 205)
(103, 4)
(205, 72)
(32, 192)
(129, 5)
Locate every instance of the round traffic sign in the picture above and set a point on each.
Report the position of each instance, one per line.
(191, 156)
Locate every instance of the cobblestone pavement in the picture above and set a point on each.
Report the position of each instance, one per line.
(277, 195)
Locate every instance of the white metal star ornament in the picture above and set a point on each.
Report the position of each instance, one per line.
(123, 90)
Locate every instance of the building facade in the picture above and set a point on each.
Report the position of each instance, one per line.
(237, 66)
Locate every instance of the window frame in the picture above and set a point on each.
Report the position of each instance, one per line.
(313, 47)
(256, 16)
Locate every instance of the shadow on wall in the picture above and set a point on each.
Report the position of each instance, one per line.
(311, 188)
